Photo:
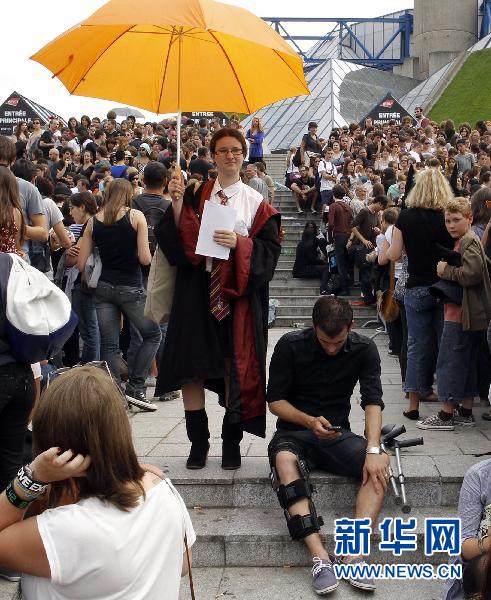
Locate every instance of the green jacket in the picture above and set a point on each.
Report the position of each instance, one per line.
(474, 279)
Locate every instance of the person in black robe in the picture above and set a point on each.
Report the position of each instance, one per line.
(226, 356)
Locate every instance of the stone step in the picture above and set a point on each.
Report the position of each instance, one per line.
(278, 583)
(298, 321)
(304, 310)
(258, 537)
(430, 482)
(304, 301)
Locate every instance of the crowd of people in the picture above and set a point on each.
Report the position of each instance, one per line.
(97, 205)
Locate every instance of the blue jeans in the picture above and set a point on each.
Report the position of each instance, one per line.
(110, 301)
(326, 197)
(456, 369)
(342, 259)
(424, 319)
(83, 305)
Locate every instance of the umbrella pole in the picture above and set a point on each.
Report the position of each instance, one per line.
(179, 42)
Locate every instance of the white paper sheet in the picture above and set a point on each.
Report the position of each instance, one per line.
(215, 216)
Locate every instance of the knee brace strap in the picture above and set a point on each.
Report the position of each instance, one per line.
(300, 526)
(296, 490)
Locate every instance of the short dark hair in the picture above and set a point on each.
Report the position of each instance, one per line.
(312, 125)
(155, 175)
(85, 181)
(45, 186)
(24, 169)
(203, 151)
(227, 132)
(119, 155)
(338, 192)
(381, 199)
(84, 199)
(331, 315)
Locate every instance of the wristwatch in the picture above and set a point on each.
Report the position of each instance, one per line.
(375, 450)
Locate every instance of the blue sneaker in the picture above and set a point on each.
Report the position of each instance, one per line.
(324, 580)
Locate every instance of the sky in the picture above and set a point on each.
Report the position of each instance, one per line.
(34, 23)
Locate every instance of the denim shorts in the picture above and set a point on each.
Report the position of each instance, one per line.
(456, 369)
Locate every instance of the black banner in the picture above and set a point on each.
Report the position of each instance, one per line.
(17, 108)
(387, 110)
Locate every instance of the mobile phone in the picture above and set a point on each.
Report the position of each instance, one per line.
(334, 428)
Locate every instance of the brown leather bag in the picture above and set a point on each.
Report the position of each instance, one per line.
(386, 304)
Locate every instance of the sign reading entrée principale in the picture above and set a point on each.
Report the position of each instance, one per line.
(196, 116)
(388, 109)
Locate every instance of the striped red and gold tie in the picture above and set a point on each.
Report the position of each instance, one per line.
(220, 308)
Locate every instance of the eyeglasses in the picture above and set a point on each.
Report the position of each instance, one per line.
(225, 151)
(36, 123)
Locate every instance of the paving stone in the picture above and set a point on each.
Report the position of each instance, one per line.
(239, 583)
(157, 427)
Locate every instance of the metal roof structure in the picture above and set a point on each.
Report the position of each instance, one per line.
(340, 93)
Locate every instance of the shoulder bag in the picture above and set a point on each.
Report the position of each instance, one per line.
(160, 288)
(386, 303)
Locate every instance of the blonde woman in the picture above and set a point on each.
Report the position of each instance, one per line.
(255, 137)
(420, 231)
(121, 236)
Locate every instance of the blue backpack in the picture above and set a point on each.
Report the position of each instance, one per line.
(37, 316)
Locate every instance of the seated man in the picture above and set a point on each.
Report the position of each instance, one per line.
(312, 376)
(304, 190)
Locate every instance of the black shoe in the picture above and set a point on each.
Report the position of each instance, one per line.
(231, 458)
(137, 398)
(486, 416)
(197, 456)
(413, 415)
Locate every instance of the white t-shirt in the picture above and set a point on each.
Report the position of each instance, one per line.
(99, 552)
(326, 184)
(388, 237)
(244, 199)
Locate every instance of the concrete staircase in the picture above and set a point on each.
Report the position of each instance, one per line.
(297, 296)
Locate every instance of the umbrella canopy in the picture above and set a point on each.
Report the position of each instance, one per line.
(176, 55)
(126, 111)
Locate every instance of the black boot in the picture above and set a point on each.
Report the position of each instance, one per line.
(198, 434)
(231, 438)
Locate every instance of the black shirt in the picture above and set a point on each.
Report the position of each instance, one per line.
(422, 230)
(365, 221)
(118, 250)
(311, 144)
(200, 166)
(48, 138)
(321, 385)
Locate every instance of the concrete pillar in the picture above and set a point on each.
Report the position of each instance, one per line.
(442, 29)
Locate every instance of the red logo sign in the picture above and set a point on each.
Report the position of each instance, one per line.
(13, 101)
(387, 103)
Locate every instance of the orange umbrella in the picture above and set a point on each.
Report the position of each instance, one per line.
(176, 55)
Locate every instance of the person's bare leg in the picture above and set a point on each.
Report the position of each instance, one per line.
(296, 195)
(288, 471)
(368, 505)
(413, 401)
(193, 396)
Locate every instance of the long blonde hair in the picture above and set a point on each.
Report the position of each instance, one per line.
(118, 194)
(431, 190)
